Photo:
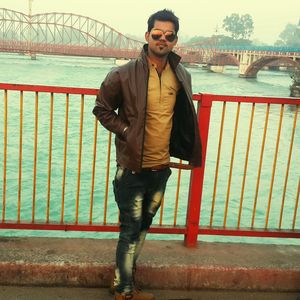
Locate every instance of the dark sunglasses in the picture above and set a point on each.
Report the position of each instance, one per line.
(156, 35)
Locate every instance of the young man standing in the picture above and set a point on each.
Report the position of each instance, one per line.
(155, 119)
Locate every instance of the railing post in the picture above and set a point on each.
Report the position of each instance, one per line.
(197, 175)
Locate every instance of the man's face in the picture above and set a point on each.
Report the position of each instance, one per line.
(160, 38)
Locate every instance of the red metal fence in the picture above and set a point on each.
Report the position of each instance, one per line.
(56, 165)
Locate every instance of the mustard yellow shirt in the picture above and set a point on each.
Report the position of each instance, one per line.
(162, 91)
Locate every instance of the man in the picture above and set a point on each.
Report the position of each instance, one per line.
(155, 119)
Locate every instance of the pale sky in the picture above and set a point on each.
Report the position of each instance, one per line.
(197, 17)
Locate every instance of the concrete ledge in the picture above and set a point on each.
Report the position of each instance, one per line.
(163, 264)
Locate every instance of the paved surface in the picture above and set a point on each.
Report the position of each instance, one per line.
(40, 293)
(163, 265)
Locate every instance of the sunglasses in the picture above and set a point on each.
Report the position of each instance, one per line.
(156, 35)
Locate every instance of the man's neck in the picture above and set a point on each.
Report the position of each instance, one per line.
(160, 62)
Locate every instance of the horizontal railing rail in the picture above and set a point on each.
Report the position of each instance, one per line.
(57, 166)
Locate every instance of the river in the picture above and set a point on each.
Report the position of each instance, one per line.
(89, 72)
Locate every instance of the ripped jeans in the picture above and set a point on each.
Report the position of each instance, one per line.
(138, 196)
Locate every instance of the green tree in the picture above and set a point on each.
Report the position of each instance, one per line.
(295, 87)
(201, 40)
(224, 40)
(290, 36)
(239, 26)
(217, 40)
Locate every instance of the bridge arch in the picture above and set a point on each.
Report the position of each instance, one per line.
(72, 34)
(256, 66)
(63, 29)
(9, 14)
(223, 59)
(12, 24)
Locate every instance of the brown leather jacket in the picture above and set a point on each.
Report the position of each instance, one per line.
(125, 90)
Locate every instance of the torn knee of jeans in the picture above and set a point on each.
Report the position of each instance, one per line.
(131, 248)
(155, 202)
(137, 207)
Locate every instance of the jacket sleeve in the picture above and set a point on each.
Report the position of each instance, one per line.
(196, 159)
(108, 100)
(189, 81)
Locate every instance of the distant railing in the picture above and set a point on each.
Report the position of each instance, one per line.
(57, 167)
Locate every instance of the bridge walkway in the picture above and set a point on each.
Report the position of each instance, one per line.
(188, 273)
(69, 293)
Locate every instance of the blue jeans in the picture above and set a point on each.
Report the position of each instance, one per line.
(138, 196)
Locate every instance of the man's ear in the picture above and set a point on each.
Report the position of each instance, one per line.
(147, 34)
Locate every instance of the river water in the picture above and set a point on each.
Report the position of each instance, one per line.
(89, 72)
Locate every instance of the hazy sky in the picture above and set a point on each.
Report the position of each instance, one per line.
(197, 17)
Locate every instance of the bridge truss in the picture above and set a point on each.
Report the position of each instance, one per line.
(63, 33)
(72, 34)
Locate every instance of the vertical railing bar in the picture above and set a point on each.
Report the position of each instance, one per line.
(107, 177)
(260, 165)
(288, 167)
(231, 163)
(274, 166)
(4, 156)
(79, 158)
(161, 211)
(177, 195)
(193, 214)
(296, 205)
(93, 170)
(50, 157)
(20, 157)
(65, 161)
(217, 165)
(246, 165)
(35, 153)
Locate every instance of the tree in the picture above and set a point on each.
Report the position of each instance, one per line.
(239, 26)
(201, 40)
(290, 36)
(224, 40)
(217, 40)
(295, 87)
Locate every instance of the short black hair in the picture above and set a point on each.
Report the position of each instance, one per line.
(163, 15)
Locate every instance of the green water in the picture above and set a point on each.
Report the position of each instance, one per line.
(89, 72)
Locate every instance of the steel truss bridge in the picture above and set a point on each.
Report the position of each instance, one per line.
(76, 35)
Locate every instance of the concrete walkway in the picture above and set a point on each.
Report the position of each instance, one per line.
(163, 265)
(59, 293)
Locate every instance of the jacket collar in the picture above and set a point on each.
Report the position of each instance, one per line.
(173, 58)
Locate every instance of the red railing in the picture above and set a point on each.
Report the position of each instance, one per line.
(195, 202)
(206, 101)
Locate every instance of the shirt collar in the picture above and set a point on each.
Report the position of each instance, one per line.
(173, 57)
(153, 64)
